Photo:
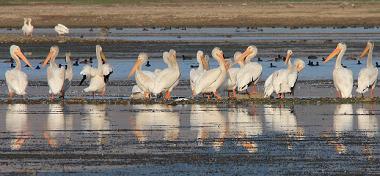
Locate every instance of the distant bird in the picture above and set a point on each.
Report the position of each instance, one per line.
(147, 64)
(59, 65)
(323, 59)
(27, 65)
(344, 66)
(12, 65)
(377, 65)
(312, 57)
(358, 63)
(310, 63)
(194, 66)
(186, 58)
(317, 64)
(61, 29)
(76, 63)
(85, 61)
(38, 67)
(259, 59)
(272, 66)
(27, 29)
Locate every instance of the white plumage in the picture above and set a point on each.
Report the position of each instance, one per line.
(342, 77)
(168, 78)
(367, 76)
(202, 60)
(211, 80)
(282, 81)
(249, 72)
(144, 79)
(97, 75)
(68, 73)
(27, 28)
(17, 80)
(55, 74)
(61, 29)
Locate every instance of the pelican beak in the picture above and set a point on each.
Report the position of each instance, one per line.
(134, 68)
(221, 56)
(204, 63)
(244, 55)
(48, 57)
(19, 54)
(365, 52)
(103, 56)
(287, 58)
(334, 53)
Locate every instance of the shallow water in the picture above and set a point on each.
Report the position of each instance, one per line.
(190, 139)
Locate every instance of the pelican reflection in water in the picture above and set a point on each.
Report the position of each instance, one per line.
(244, 126)
(343, 122)
(58, 126)
(96, 120)
(282, 120)
(210, 124)
(16, 122)
(162, 124)
(368, 125)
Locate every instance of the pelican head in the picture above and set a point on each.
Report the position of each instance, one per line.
(369, 46)
(218, 55)
(99, 50)
(142, 58)
(15, 52)
(299, 65)
(339, 48)
(249, 53)
(52, 54)
(172, 55)
(201, 58)
(289, 53)
(237, 57)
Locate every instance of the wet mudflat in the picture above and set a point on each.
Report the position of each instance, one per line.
(189, 139)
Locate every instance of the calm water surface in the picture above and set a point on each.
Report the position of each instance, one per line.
(191, 139)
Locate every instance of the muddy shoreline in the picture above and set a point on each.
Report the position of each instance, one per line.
(201, 14)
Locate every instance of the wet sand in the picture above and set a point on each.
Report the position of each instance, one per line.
(202, 13)
(189, 139)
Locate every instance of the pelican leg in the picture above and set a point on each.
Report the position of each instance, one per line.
(167, 95)
(338, 94)
(253, 90)
(372, 92)
(234, 93)
(146, 95)
(11, 94)
(103, 93)
(217, 96)
(93, 95)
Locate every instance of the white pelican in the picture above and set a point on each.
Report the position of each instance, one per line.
(68, 74)
(144, 79)
(17, 80)
(98, 76)
(27, 28)
(168, 78)
(367, 76)
(61, 29)
(202, 60)
(55, 74)
(211, 80)
(231, 81)
(283, 81)
(342, 77)
(249, 72)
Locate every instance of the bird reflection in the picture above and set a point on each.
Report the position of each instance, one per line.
(343, 122)
(243, 125)
(16, 122)
(162, 124)
(282, 120)
(96, 120)
(367, 123)
(209, 124)
(55, 125)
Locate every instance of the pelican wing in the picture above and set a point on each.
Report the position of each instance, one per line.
(251, 72)
(88, 71)
(55, 77)
(107, 69)
(165, 80)
(16, 81)
(268, 86)
(207, 79)
(367, 77)
(343, 80)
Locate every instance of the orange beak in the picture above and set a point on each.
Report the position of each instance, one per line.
(19, 54)
(48, 57)
(134, 68)
(287, 58)
(204, 62)
(103, 56)
(244, 55)
(334, 53)
(366, 50)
